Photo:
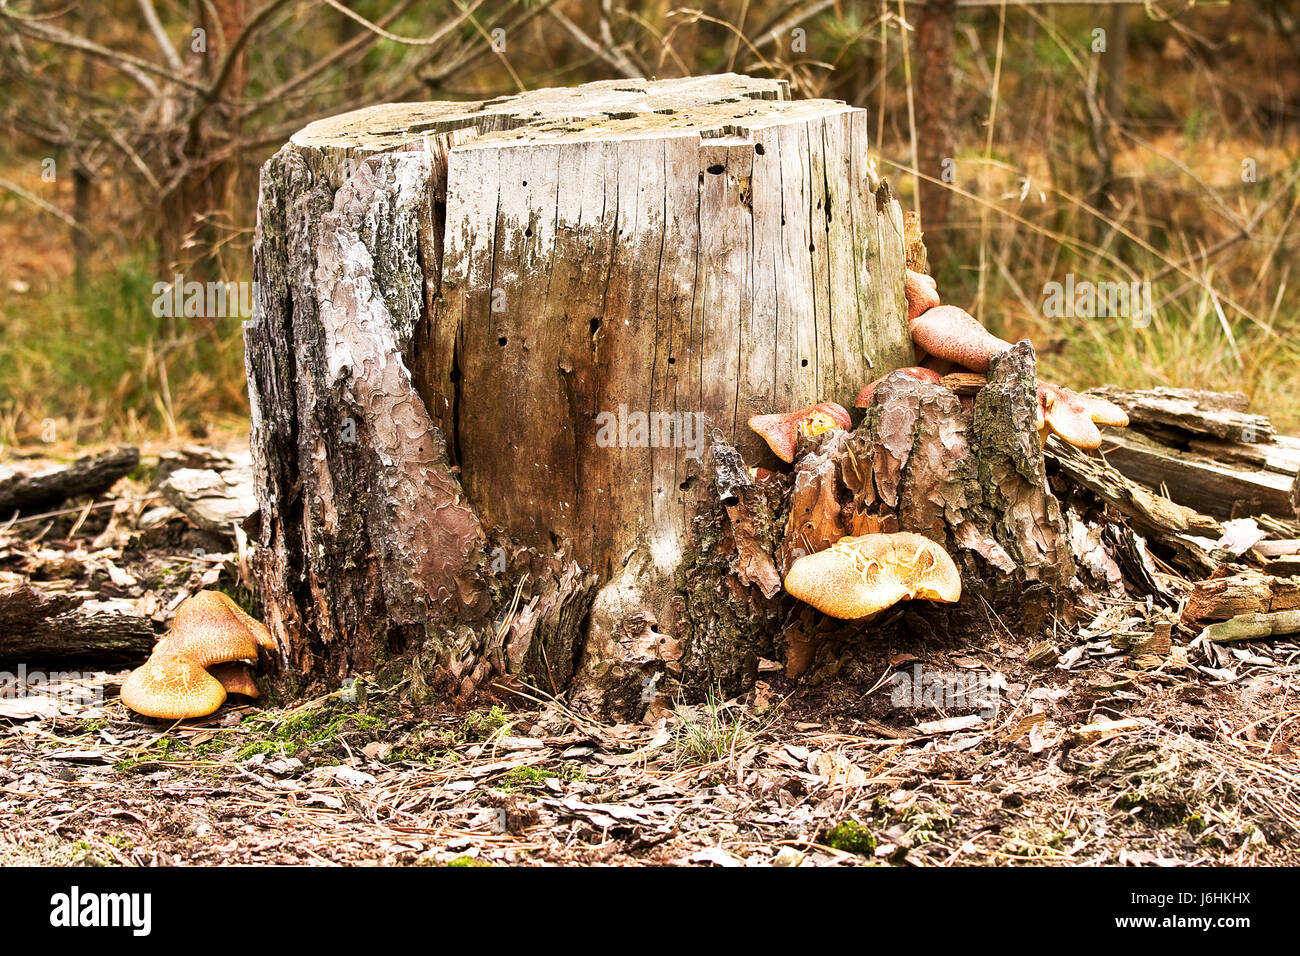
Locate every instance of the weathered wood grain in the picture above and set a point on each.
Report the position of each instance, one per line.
(37, 627)
(1219, 415)
(1211, 486)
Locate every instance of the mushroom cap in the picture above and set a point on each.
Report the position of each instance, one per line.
(952, 334)
(925, 568)
(781, 430)
(922, 293)
(861, 575)
(172, 687)
(260, 632)
(915, 371)
(236, 678)
(210, 628)
(1075, 417)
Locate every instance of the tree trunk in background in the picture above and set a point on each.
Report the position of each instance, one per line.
(196, 216)
(1105, 110)
(936, 108)
(83, 187)
(463, 310)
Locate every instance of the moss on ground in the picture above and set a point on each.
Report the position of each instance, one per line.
(850, 836)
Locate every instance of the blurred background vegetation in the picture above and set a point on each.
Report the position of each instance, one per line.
(1112, 141)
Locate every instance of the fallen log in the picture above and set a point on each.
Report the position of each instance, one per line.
(1204, 450)
(1187, 534)
(1253, 627)
(1190, 478)
(51, 485)
(1219, 415)
(38, 627)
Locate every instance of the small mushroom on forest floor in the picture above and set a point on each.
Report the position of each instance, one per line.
(915, 371)
(952, 334)
(781, 431)
(197, 663)
(922, 293)
(172, 687)
(861, 575)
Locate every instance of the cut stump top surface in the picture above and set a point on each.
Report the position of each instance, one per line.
(708, 106)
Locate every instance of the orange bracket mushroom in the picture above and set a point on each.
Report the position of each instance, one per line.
(1075, 417)
(862, 575)
(953, 334)
(782, 431)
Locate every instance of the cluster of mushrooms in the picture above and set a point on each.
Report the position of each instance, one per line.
(861, 575)
(207, 654)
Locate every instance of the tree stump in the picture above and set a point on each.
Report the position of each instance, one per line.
(501, 368)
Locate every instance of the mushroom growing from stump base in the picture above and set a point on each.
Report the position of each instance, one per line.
(781, 431)
(861, 575)
(197, 663)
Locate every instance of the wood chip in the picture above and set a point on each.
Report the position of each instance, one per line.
(1104, 729)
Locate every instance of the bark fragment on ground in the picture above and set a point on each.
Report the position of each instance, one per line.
(38, 627)
(48, 485)
(1247, 592)
(217, 495)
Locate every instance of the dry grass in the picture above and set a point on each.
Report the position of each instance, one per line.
(1203, 92)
